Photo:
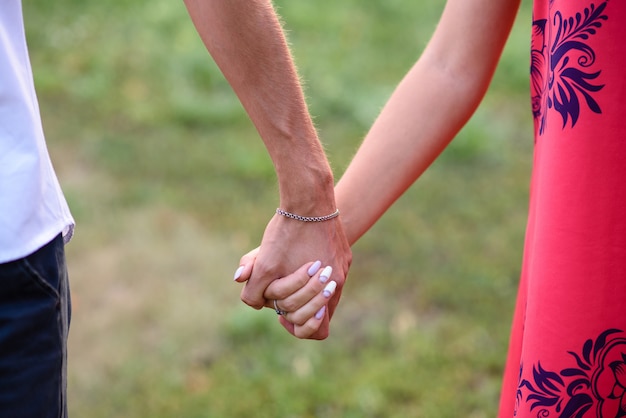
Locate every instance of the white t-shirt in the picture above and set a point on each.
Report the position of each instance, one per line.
(32, 207)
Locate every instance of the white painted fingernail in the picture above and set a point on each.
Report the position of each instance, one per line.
(329, 289)
(314, 268)
(328, 270)
(238, 272)
(321, 312)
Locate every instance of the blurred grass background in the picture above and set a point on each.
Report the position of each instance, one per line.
(170, 184)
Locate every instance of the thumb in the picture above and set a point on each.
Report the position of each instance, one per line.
(244, 271)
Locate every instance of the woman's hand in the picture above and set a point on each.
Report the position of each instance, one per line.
(301, 298)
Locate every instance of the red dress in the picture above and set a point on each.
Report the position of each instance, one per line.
(567, 354)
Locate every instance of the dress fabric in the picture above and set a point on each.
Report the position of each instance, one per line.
(567, 353)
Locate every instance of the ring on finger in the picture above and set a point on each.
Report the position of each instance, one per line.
(277, 309)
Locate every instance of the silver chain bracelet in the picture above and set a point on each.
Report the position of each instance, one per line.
(307, 218)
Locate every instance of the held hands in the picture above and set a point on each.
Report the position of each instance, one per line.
(278, 271)
(300, 298)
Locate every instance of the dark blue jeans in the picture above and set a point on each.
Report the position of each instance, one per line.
(35, 311)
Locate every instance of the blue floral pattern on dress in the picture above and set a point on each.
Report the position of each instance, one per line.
(562, 73)
(595, 386)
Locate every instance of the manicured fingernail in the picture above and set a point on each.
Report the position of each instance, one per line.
(328, 270)
(329, 289)
(238, 272)
(321, 312)
(314, 268)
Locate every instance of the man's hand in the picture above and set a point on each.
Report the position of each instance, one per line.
(288, 244)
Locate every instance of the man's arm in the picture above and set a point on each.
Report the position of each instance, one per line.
(247, 42)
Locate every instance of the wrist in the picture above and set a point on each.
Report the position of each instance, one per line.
(308, 191)
(301, 218)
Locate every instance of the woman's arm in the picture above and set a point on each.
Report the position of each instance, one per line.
(427, 109)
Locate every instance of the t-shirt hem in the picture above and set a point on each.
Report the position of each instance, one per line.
(66, 227)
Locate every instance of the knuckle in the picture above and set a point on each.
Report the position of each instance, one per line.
(298, 320)
(302, 280)
(252, 302)
(274, 291)
(304, 332)
(288, 306)
(312, 332)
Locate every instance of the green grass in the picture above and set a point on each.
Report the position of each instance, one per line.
(170, 185)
